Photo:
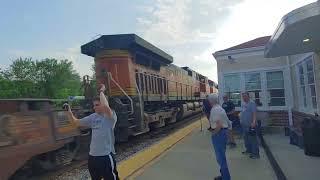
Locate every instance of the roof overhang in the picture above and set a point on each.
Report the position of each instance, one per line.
(297, 33)
(238, 53)
(130, 42)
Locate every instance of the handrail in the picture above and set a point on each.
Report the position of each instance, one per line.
(131, 102)
(140, 99)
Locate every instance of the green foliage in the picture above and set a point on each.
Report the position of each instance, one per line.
(47, 78)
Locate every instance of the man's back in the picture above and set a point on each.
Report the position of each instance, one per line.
(206, 106)
(246, 116)
(228, 106)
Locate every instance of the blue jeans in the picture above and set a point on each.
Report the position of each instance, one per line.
(219, 142)
(251, 142)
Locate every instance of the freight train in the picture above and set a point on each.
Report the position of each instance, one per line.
(143, 87)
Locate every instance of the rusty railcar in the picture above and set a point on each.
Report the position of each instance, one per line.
(31, 130)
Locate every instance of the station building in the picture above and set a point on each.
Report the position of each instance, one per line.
(281, 72)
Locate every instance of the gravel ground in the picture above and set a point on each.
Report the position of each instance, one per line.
(124, 151)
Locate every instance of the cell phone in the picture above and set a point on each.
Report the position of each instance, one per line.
(66, 106)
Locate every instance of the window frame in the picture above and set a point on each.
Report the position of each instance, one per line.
(284, 89)
(307, 86)
(264, 89)
(254, 90)
(236, 91)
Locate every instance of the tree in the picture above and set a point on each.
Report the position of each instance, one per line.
(50, 78)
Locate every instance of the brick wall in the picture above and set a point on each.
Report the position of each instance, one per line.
(279, 118)
(273, 118)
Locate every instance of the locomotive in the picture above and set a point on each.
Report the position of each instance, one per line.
(143, 87)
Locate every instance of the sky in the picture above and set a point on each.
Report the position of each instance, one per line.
(189, 30)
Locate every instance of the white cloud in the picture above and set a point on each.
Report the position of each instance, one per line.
(82, 64)
(191, 30)
(185, 29)
(252, 19)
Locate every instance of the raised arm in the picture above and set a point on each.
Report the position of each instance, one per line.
(104, 102)
(74, 120)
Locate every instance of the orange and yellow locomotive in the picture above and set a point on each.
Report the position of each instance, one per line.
(144, 87)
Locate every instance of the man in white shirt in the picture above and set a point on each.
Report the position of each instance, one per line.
(101, 162)
(219, 123)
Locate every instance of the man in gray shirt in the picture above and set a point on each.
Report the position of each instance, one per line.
(249, 125)
(101, 163)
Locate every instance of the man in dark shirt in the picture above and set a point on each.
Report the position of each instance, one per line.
(229, 107)
(207, 108)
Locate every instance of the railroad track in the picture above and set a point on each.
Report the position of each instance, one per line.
(124, 151)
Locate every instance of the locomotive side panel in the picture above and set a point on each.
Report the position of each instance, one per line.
(119, 64)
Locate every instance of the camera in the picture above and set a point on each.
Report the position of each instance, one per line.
(66, 106)
(252, 131)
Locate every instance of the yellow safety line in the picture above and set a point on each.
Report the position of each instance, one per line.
(142, 158)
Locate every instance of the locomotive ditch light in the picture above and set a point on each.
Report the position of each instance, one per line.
(306, 40)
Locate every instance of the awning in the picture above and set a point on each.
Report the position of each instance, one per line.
(131, 42)
(297, 33)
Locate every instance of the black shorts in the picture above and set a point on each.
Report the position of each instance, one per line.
(103, 167)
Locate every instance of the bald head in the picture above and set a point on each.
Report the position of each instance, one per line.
(213, 99)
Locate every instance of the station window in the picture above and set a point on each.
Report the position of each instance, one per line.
(275, 88)
(232, 88)
(306, 82)
(253, 86)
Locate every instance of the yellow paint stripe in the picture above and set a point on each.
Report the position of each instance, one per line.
(121, 94)
(141, 159)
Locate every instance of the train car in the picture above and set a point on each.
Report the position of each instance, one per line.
(32, 130)
(145, 89)
(213, 87)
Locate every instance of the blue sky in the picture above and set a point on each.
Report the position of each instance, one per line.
(189, 30)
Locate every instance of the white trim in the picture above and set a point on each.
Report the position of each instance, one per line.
(112, 166)
(309, 109)
(315, 81)
(280, 68)
(302, 59)
(238, 51)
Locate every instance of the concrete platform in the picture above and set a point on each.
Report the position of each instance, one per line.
(193, 159)
(292, 160)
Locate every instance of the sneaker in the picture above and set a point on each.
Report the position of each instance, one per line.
(232, 145)
(218, 178)
(254, 156)
(245, 152)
